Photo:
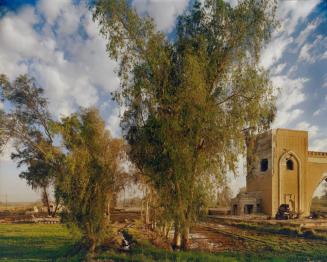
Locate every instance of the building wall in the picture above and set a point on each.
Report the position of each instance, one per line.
(288, 185)
(257, 180)
(278, 184)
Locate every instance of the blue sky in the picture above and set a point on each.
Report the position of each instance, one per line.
(58, 43)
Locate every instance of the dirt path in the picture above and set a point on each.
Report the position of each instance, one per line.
(207, 239)
(216, 237)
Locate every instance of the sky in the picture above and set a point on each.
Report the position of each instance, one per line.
(57, 43)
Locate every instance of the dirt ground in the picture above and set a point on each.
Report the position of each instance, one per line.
(218, 237)
(203, 238)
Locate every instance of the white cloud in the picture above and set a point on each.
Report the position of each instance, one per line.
(289, 13)
(17, 40)
(291, 94)
(68, 21)
(311, 53)
(72, 69)
(52, 9)
(301, 39)
(324, 56)
(279, 68)
(114, 123)
(312, 129)
(292, 70)
(274, 51)
(318, 111)
(164, 12)
(292, 12)
(319, 144)
(304, 53)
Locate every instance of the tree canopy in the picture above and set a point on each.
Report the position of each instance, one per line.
(93, 163)
(28, 123)
(190, 99)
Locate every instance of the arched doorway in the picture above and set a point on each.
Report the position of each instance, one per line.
(290, 181)
(319, 199)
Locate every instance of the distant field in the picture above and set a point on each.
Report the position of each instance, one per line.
(18, 206)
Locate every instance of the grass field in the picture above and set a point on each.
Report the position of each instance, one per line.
(31, 242)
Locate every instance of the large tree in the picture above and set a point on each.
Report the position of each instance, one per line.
(189, 99)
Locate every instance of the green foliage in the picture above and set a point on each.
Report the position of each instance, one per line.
(92, 164)
(84, 170)
(3, 134)
(190, 99)
(28, 123)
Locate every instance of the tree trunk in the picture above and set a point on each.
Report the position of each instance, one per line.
(185, 238)
(91, 248)
(167, 230)
(142, 210)
(114, 201)
(147, 215)
(177, 238)
(108, 208)
(154, 219)
(46, 200)
(55, 210)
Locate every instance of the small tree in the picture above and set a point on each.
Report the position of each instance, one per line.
(39, 174)
(92, 163)
(28, 123)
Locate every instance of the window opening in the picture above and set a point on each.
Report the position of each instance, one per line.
(289, 164)
(264, 165)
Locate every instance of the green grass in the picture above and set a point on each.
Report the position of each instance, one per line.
(147, 254)
(32, 242)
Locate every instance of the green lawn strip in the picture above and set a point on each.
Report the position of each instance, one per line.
(31, 242)
(156, 254)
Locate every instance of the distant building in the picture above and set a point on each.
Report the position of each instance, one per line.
(280, 170)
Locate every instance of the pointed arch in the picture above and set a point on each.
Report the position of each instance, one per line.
(288, 155)
(323, 177)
